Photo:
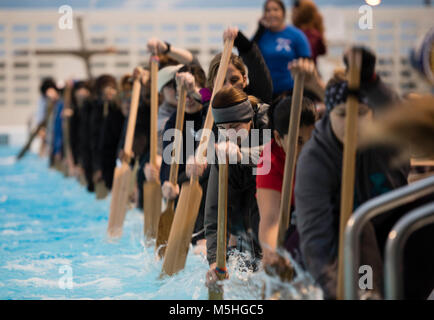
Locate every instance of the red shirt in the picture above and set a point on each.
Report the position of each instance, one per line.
(316, 42)
(274, 179)
(276, 161)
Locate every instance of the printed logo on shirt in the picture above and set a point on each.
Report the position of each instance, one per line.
(283, 44)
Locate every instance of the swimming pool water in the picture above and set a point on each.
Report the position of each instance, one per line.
(53, 234)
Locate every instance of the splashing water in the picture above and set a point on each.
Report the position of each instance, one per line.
(53, 232)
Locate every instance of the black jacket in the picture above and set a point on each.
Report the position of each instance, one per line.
(260, 82)
(74, 132)
(317, 202)
(243, 213)
(110, 135)
(84, 146)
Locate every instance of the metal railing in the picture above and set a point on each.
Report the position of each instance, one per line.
(366, 212)
(398, 236)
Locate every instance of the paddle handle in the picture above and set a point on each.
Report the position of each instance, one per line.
(218, 84)
(349, 161)
(222, 216)
(177, 144)
(154, 111)
(66, 120)
(291, 157)
(216, 292)
(50, 108)
(134, 106)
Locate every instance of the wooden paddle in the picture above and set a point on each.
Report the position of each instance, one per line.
(67, 112)
(288, 175)
(191, 192)
(34, 133)
(122, 174)
(215, 292)
(166, 217)
(291, 158)
(349, 161)
(152, 189)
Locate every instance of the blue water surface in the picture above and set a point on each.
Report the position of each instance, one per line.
(53, 245)
(49, 224)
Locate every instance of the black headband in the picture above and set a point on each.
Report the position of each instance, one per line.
(338, 93)
(240, 112)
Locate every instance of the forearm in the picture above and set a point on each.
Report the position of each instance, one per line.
(269, 205)
(183, 56)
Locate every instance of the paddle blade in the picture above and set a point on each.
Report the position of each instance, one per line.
(183, 225)
(151, 208)
(101, 190)
(166, 220)
(118, 205)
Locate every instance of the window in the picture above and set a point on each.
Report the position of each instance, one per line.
(122, 40)
(22, 102)
(98, 65)
(216, 27)
(97, 40)
(123, 28)
(195, 40)
(20, 65)
(21, 53)
(168, 27)
(45, 28)
(145, 27)
(21, 77)
(21, 40)
(98, 28)
(21, 90)
(192, 27)
(20, 28)
(44, 65)
(122, 64)
(45, 40)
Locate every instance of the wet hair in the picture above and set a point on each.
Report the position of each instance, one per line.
(197, 72)
(279, 114)
(214, 65)
(46, 84)
(228, 96)
(279, 3)
(308, 14)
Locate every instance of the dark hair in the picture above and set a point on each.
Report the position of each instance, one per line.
(280, 113)
(279, 3)
(103, 81)
(197, 72)
(46, 84)
(77, 86)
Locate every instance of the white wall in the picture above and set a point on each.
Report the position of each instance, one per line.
(395, 32)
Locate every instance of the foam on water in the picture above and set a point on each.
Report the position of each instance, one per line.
(48, 223)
